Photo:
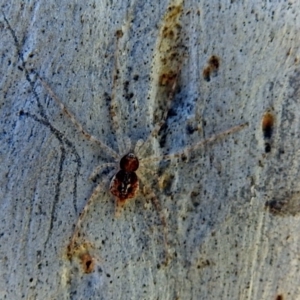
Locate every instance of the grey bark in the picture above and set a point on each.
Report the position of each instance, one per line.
(231, 207)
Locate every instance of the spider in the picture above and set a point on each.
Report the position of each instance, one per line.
(127, 174)
(127, 171)
(125, 182)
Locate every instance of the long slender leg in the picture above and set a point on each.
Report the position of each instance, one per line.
(138, 146)
(101, 167)
(73, 245)
(195, 146)
(118, 207)
(127, 145)
(114, 108)
(155, 201)
(75, 122)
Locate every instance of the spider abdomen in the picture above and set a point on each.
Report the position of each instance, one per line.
(124, 185)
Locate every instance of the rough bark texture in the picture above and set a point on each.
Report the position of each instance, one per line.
(231, 207)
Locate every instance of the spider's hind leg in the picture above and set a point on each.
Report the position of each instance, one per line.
(157, 205)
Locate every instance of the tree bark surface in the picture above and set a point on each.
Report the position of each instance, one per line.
(220, 221)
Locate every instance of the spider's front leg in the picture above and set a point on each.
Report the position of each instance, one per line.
(73, 119)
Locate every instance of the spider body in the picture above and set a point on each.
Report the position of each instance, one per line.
(125, 184)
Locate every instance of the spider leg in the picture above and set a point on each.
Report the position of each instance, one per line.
(119, 204)
(87, 135)
(195, 146)
(155, 201)
(127, 144)
(73, 244)
(114, 108)
(100, 167)
(138, 145)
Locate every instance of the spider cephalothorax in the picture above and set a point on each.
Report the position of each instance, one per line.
(125, 184)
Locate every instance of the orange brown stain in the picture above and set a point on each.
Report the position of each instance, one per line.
(206, 73)
(87, 263)
(214, 62)
(82, 253)
(170, 46)
(167, 79)
(212, 67)
(267, 124)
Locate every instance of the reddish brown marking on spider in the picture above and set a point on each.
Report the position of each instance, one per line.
(129, 162)
(125, 184)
